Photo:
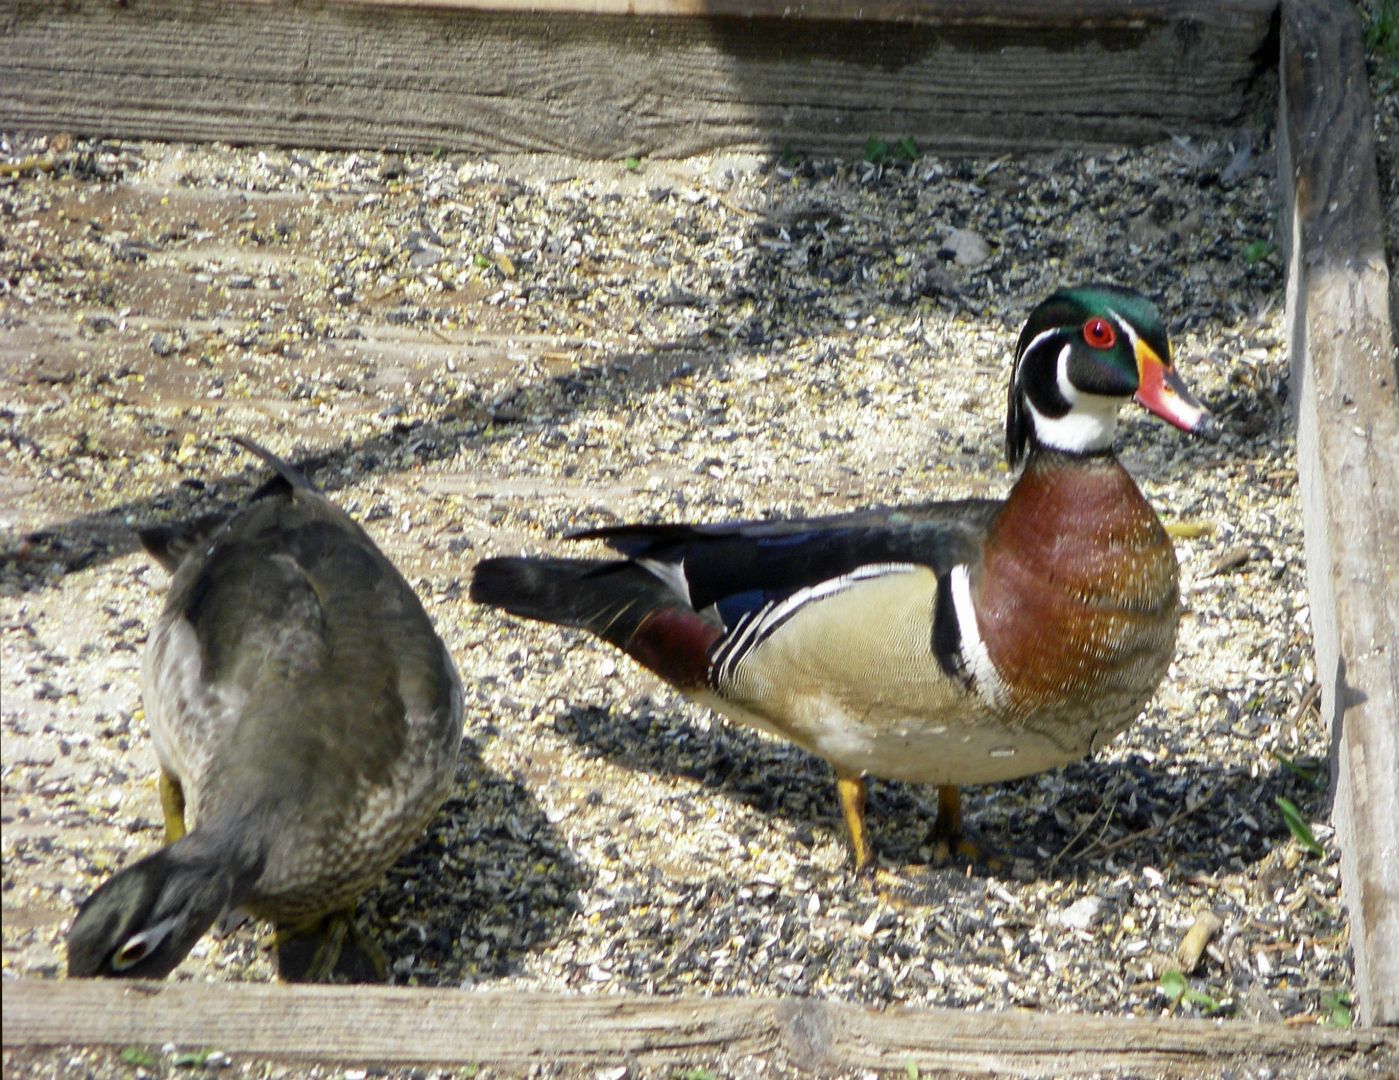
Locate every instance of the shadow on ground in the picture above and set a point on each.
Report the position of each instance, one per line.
(491, 881)
(817, 256)
(1190, 815)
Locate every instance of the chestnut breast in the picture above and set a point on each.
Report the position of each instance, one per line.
(1079, 596)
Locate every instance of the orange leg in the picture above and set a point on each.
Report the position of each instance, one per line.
(854, 792)
(948, 838)
(948, 826)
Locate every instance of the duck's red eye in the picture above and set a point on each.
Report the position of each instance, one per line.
(1099, 333)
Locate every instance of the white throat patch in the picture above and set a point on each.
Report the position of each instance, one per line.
(1090, 423)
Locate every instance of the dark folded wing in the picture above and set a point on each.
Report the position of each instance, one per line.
(738, 568)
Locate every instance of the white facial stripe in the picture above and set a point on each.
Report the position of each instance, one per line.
(1126, 327)
(974, 654)
(1034, 343)
(1067, 390)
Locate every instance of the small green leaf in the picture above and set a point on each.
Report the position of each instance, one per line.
(1297, 825)
(1382, 39)
(1307, 768)
(905, 149)
(1203, 1000)
(1173, 985)
(632, 164)
(789, 156)
(876, 150)
(1177, 988)
(914, 1073)
(1336, 1005)
(1257, 251)
(695, 1074)
(135, 1055)
(483, 262)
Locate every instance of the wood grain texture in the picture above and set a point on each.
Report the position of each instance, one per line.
(1039, 12)
(491, 78)
(444, 1027)
(1346, 371)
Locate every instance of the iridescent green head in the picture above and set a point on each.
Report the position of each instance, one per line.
(1085, 351)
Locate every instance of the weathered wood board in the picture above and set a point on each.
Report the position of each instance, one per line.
(1345, 374)
(607, 79)
(802, 1037)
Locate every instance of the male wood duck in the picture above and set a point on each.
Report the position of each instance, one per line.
(944, 643)
(306, 716)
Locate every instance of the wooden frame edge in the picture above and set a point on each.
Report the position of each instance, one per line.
(412, 1026)
(609, 79)
(1345, 373)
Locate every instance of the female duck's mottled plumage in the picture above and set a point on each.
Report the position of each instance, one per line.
(945, 643)
(307, 720)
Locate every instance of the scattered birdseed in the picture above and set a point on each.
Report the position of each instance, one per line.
(477, 356)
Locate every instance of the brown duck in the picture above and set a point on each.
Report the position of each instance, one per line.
(307, 720)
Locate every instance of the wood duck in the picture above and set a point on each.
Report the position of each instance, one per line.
(943, 643)
(306, 716)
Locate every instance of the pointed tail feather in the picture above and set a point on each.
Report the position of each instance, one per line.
(610, 598)
(621, 602)
(291, 476)
(169, 544)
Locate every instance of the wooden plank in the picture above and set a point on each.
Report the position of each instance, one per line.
(1074, 12)
(1344, 369)
(611, 79)
(444, 1027)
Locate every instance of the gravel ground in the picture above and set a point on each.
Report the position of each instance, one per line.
(475, 357)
